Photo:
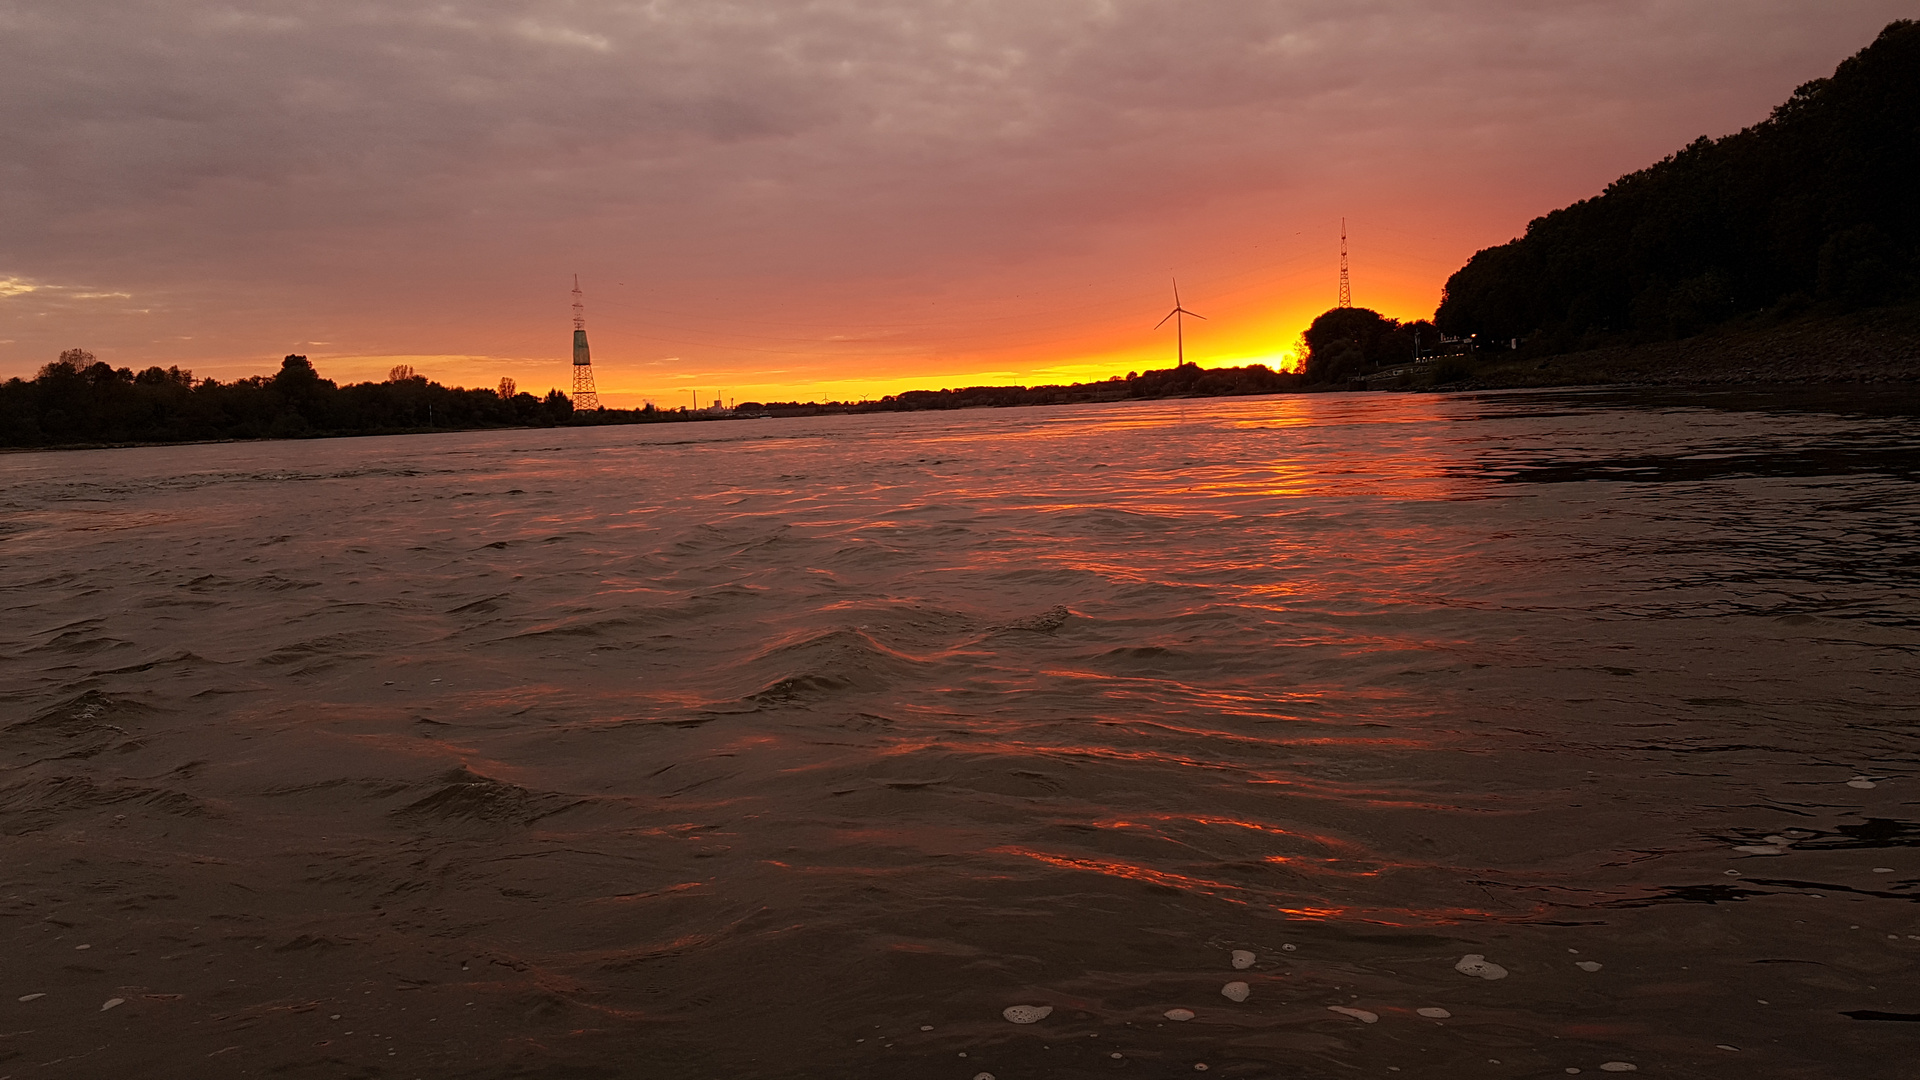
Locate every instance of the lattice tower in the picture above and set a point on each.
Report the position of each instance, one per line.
(1346, 288)
(584, 396)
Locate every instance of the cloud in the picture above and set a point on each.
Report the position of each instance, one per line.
(405, 176)
(561, 35)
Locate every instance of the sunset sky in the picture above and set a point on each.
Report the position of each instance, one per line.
(780, 199)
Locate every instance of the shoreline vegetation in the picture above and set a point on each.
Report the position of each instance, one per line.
(78, 403)
(1787, 253)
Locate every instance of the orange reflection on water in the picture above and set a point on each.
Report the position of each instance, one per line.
(1250, 897)
(1334, 843)
(1016, 749)
(627, 898)
(1132, 872)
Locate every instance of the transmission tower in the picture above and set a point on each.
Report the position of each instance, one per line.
(584, 396)
(1346, 288)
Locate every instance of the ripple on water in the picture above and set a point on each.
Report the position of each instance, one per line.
(913, 715)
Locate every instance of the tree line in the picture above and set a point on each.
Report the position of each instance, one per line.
(78, 399)
(1183, 380)
(1813, 209)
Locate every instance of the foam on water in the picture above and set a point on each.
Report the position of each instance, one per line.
(1479, 967)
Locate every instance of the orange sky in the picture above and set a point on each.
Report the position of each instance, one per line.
(776, 201)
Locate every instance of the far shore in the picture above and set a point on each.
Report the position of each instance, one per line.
(1879, 347)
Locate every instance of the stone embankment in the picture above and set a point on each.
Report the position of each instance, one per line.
(1866, 347)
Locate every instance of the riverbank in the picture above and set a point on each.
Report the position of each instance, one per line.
(1876, 346)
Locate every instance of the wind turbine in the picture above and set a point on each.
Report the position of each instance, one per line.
(1179, 333)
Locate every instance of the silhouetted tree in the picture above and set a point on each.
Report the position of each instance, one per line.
(1347, 342)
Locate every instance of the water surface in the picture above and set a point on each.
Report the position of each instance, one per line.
(803, 748)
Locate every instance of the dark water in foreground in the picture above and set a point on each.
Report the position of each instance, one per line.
(804, 748)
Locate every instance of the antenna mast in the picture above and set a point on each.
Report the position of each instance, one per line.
(1346, 289)
(584, 396)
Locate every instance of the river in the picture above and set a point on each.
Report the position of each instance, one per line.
(805, 748)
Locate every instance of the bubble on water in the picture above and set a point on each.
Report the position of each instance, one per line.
(81, 948)
(1027, 1014)
(113, 1003)
(1361, 1015)
(1242, 959)
(1732, 873)
(982, 1076)
(1116, 1055)
(1199, 1066)
(1619, 1066)
(1883, 869)
(926, 1027)
(1761, 849)
(1776, 839)
(31, 997)
(1178, 1014)
(1479, 967)
(1724, 1046)
(1860, 782)
(1587, 965)
(1235, 991)
(1289, 947)
(1433, 1013)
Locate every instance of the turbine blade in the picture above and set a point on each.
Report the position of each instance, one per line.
(1164, 318)
(1195, 316)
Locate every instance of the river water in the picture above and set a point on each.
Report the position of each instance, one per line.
(804, 748)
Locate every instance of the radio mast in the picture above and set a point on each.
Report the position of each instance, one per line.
(1346, 289)
(584, 396)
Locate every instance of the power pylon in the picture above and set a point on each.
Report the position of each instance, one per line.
(584, 396)
(1346, 289)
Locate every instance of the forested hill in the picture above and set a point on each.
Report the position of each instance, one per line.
(1818, 206)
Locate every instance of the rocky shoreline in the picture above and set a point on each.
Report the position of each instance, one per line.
(1880, 346)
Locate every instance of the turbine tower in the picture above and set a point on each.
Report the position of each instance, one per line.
(584, 396)
(1346, 290)
(1179, 334)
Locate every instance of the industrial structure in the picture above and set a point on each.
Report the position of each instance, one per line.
(584, 396)
(1346, 290)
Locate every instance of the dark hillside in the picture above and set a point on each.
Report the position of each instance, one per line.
(1816, 208)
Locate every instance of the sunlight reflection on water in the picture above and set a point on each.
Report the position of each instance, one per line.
(913, 717)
